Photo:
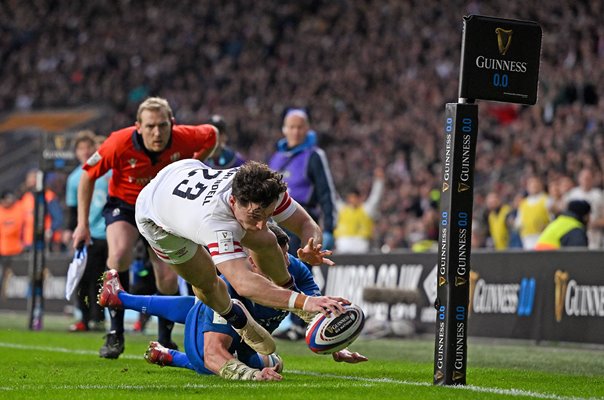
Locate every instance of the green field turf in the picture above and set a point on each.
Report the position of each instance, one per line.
(53, 364)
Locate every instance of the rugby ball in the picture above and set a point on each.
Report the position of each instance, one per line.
(326, 335)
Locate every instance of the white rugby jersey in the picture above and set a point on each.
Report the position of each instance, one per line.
(191, 200)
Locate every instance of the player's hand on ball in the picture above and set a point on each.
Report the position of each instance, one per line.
(347, 356)
(326, 305)
(333, 334)
(268, 374)
(313, 255)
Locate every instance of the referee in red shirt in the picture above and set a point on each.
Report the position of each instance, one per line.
(136, 154)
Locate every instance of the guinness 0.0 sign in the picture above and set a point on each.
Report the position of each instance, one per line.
(58, 151)
(500, 60)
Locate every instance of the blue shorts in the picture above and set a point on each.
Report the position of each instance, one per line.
(118, 210)
(201, 319)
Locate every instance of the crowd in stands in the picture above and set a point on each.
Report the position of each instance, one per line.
(375, 75)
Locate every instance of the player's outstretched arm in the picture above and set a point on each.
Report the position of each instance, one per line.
(262, 291)
(303, 226)
(312, 254)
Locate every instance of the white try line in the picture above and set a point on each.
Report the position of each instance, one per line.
(249, 385)
(358, 380)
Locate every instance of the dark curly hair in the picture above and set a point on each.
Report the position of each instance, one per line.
(256, 183)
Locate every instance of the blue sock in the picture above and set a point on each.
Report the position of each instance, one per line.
(174, 308)
(180, 360)
(164, 327)
(235, 317)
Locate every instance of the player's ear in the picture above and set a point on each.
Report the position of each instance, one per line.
(173, 122)
(283, 129)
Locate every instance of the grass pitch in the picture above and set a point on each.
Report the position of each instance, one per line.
(53, 364)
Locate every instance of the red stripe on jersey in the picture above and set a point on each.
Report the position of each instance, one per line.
(160, 254)
(284, 204)
(214, 245)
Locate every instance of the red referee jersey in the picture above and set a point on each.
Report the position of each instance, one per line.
(133, 167)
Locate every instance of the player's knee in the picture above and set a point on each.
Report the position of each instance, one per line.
(208, 286)
(121, 264)
(120, 261)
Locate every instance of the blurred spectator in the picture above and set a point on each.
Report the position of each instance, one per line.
(533, 213)
(92, 315)
(479, 233)
(565, 184)
(223, 156)
(554, 191)
(498, 221)
(515, 241)
(568, 229)
(427, 232)
(305, 169)
(587, 191)
(53, 218)
(375, 98)
(354, 230)
(12, 221)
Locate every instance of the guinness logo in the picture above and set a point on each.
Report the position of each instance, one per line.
(473, 278)
(458, 375)
(445, 186)
(438, 375)
(60, 142)
(462, 187)
(504, 39)
(441, 281)
(561, 283)
(460, 281)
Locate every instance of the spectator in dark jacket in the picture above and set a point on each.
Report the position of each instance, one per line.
(305, 169)
(568, 230)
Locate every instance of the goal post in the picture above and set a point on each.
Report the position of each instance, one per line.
(499, 62)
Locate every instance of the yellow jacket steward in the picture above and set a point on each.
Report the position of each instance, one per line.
(564, 231)
(498, 227)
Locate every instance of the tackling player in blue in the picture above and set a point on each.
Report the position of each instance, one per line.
(210, 342)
